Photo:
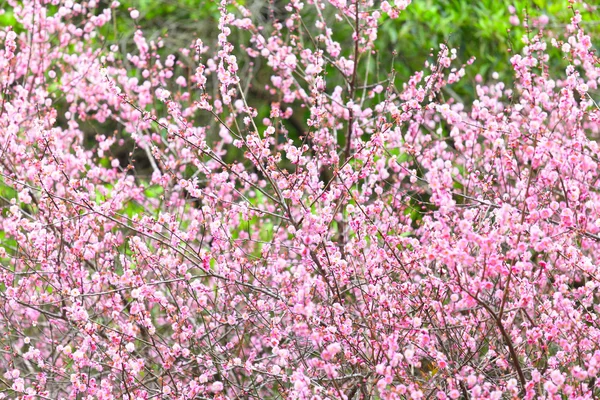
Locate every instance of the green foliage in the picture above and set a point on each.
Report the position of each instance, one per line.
(8, 18)
(479, 29)
(178, 22)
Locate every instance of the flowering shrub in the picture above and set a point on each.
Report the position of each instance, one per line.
(400, 245)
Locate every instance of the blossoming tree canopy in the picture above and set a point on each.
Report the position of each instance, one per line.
(272, 213)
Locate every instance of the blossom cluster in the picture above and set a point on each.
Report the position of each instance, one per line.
(368, 238)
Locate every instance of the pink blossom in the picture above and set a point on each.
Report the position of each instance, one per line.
(407, 244)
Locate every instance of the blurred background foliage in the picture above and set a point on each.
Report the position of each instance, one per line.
(480, 29)
(476, 28)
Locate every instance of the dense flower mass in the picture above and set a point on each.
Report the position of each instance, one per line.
(287, 218)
